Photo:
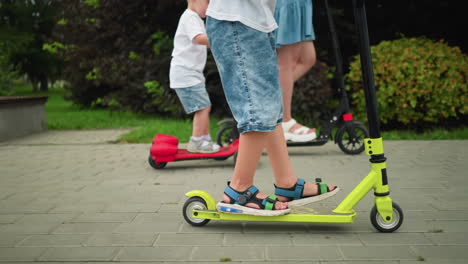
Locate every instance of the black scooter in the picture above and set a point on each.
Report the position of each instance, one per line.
(350, 134)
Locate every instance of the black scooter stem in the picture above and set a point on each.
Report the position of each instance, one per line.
(338, 56)
(366, 68)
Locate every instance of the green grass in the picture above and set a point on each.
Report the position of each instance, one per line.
(181, 129)
(64, 115)
(433, 134)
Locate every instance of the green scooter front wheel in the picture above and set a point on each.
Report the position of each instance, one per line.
(387, 227)
(194, 203)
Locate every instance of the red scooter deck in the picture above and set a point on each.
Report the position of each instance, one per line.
(165, 149)
(227, 151)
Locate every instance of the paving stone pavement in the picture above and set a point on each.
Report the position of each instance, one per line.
(72, 197)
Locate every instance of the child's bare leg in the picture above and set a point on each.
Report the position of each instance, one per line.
(251, 145)
(279, 160)
(201, 122)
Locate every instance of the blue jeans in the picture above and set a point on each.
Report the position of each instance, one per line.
(193, 98)
(248, 66)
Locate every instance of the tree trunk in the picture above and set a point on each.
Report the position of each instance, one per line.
(34, 85)
(44, 83)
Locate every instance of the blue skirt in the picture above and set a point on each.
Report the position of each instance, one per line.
(294, 19)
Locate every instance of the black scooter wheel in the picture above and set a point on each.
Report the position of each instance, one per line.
(156, 165)
(227, 135)
(350, 138)
(387, 227)
(194, 203)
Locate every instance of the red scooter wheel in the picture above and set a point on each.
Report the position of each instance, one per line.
(156, 165)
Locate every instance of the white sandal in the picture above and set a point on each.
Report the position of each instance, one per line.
(298, 135)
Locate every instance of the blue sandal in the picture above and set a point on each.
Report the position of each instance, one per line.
(238, 200)
(295, 194)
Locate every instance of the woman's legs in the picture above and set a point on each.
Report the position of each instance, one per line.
(286, 76)
(306, 58)
(294, 61)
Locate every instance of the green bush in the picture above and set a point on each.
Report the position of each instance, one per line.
(118, 53)
(418, 81)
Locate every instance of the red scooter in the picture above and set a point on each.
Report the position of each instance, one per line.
(165, 149)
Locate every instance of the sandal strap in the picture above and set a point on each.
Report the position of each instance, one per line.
(241, 198)
(287, 125)
(322, 188)
(294, 192)
(249, 196)
(301, 131)
(269, 202)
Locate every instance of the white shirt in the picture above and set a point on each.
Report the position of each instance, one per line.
(257, 14)
(188, 58)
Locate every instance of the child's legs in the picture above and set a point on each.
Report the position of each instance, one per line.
(249, 72)
(201, 122)
(195, 99)
(279, 160)
(248, 67)
(251, 145)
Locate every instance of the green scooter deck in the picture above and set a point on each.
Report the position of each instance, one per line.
(297, 214)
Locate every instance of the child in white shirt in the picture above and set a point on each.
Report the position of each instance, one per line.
(186, 74)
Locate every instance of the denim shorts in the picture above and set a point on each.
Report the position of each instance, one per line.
(193, 98)
(248, 67)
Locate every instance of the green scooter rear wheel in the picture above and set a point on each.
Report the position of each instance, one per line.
(194, 203)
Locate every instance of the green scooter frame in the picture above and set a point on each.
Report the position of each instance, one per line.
(386, 215)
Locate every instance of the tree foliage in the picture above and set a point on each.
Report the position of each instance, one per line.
(25, 25)
(118, 52)
(118, 55)
(7, 74)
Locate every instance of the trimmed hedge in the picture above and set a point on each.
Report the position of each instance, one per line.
(419, 82)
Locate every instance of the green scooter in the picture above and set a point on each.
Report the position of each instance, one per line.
(385, 216)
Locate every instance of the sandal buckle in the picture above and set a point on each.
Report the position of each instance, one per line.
(243, 198)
